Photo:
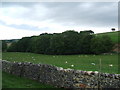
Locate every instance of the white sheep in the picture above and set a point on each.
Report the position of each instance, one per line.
(93, 63)
(72, 65)
(66, 62)
(110, 65)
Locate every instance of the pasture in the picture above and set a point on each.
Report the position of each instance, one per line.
(109, 63)
(113, 35)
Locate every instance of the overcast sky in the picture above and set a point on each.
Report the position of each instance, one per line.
(18, 20)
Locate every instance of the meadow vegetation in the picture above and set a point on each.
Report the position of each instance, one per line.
(113, 35)
(12, 81)
(79, 62)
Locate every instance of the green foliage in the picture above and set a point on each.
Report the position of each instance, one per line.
(43, 43)
(22, 44)
(85, 43)
(12, 47)
(88, 32)
(4, 46)
(32, 44)
(70, 38)
(56, 44)
(101, 44)
(66, 43)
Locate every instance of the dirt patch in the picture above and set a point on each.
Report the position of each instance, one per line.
(116, 48)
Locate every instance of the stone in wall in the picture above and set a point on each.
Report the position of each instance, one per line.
(49, 73)
(109, 80)
(31, 71)
(6, 66)
(17, 68)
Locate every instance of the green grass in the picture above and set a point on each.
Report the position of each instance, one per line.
(81, 62)
(114, 36)
(12, 81)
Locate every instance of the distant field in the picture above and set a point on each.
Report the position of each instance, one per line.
(114, 36)
(12, 81)
(81, 62)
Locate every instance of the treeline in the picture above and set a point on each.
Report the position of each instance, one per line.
(3, 45)
(68, 42)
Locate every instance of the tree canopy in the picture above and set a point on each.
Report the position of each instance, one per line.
(4, 46)
(68, 42)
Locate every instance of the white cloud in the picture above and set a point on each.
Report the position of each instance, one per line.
(16, 11)
(56, 18)
(12, 33)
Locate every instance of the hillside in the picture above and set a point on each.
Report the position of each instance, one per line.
(114, 36)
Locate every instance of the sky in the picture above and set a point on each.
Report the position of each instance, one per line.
(24, 19)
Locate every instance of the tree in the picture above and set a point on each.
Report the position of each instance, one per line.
(32, 44)
(88, 32)
(13, 47)
(42, 43)
(70, 39)
(101, 44)
(68, 42)
(23, 44)
(56, 44)
(4, 46)
(113, 29)
(84, 42)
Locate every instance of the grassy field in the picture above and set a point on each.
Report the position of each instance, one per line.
(81, 62)
(12, 81)
(114, 36)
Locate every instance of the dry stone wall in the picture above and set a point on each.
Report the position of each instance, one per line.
(59, 77)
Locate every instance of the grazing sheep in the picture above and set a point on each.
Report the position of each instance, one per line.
(72, 65)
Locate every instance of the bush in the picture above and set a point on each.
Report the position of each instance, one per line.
(4, 46)
(101, 44)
